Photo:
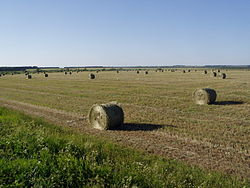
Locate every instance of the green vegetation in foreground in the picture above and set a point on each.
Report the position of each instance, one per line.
(35, 153)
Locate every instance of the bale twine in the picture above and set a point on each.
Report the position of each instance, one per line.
(91, 76)
(29, 76)
(46, 75)
(223, 76)
(106, 116)
(204, 96)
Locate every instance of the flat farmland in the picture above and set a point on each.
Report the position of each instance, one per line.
(160, 116)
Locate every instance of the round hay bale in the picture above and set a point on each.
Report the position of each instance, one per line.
(146, 72)
(137, 72)
(117, 72)
(70, 72)
(46, 75)
(65, 73)
(223, 76)
(184, 71)
(91, 76)
(29, 76)
(204, 96)
(214, 74)
(106, 116)
(218, 70)
(205, 71)
(189, 70)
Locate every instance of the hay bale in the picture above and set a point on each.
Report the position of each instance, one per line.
(146, 72)
(70, 72)
(106, 116)
(204, 96)
(189, 70)
(218, 70)
(223, 76)
(137, 72)
(214, 74)
(65, 73)
(46, 75)
(91, 76)
(205, 71)
(29, 76)
(117, 72)
(184, 71)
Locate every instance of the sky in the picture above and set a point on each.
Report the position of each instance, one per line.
(124, 32)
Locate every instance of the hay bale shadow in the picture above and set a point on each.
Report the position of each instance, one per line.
(141, 127)
(228, 103)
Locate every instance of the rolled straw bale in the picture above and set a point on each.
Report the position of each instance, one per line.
(204, 96)
(184, 71)
(65, 73)
(117, 72)
(46, 75)
(205, 71)
(70, 72)
(214, 74)
(106, 116)
(223, 76)
(137, 72)
(146, 72)
(29, 76)
(91, 76)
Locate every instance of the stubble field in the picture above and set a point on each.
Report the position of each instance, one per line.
(160, 116)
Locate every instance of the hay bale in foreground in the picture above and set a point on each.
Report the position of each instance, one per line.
(29, 76)
(91, 76)
(46, 75)
(204, 96)
(106, 116)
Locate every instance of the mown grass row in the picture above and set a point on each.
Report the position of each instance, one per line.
(36, 153)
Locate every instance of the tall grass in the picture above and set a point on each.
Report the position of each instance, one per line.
(35, 153)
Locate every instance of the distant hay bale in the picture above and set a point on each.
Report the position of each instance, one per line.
(172, 70)
(97, 71)
(218, 70)
(189, 70)
(46, 75)
(183, 71)
(91, 76)
(146, 72)
(70, 72)
(223, 76)
(65, 73)
(214, 74)
(29, 76)
(204, 96)
(117, 72)
(137, 72)
(205, 71)
(106, 116)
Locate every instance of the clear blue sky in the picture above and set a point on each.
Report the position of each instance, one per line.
(124, 32)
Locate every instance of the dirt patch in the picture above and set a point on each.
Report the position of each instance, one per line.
(153, 140)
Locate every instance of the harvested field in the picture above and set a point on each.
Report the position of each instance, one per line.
(160, 116)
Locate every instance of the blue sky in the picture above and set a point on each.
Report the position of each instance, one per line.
(124, 32)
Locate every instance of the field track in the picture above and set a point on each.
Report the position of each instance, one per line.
(151, 139)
